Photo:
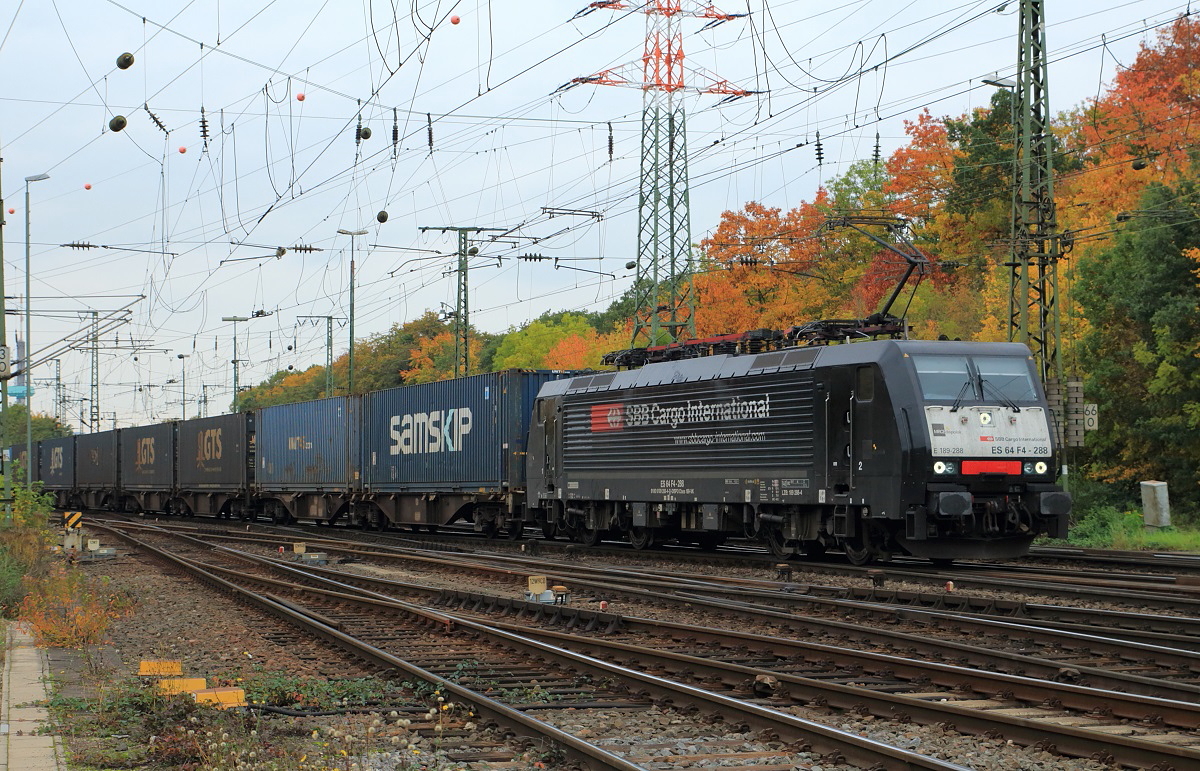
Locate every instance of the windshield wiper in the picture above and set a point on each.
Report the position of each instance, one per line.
(958, 400)
(1007, 402)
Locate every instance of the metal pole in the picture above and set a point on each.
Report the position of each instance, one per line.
(235, 369)
(350, 375)
(7, 469)
(183, 379)
(28, 357)
(329, 355)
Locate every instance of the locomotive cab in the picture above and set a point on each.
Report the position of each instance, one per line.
(983, 443)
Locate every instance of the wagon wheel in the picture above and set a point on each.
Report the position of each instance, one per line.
(589, 536)
(489, 529)
(710, 541)
(641, 537)
(515, 530)
(549, 530)
(858, 551)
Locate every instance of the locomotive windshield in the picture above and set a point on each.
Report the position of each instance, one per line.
(976, 378)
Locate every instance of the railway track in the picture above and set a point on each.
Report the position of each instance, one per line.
(778, 672)
(521, 682)
(1150, 661)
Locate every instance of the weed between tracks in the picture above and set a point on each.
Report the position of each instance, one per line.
(348, 725)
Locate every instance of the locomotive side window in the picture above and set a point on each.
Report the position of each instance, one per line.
(1007, 375)
(943, 377)
(864, 388)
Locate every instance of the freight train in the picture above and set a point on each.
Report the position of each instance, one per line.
(938, 449)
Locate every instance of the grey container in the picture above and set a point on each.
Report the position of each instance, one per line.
(466, 434)
(214, 453)
(56, 463)
(17, 453)
(308, 447)
(96, 461)
(148, 457)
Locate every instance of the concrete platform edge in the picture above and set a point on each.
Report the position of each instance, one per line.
(25, 688)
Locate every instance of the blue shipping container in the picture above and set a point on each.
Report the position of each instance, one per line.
(148, 457)
(96, 461)
(56, 463)
(464, 435)
(310, 446)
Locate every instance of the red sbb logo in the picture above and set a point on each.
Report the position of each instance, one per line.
(608, 417)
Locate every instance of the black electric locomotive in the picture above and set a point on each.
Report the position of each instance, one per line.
(937, 449)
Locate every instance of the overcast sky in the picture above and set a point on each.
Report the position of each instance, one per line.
(484, 138)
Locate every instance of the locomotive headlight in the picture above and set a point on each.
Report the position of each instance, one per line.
(1040, 467)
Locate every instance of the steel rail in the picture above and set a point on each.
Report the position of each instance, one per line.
(852, 747)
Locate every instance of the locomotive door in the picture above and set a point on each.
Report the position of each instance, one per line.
(839, 430)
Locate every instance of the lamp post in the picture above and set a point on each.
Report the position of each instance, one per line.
(183, 379)
(350, 373)
(28, 344)
(235, 320)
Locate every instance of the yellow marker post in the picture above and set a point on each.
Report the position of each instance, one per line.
(221, 698)
(148, 668)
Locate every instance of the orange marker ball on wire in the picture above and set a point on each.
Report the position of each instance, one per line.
(88, 186)
(300, 97)
(182, 149)
(455, 20)
(12, 211)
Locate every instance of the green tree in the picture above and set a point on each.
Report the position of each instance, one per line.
(528, 346)
(1142, 350)
(13, 423)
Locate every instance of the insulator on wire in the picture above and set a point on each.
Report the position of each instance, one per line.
(877, 156)
(395, 132)
(204, 127)
(154, 118)
(610, 143)
(358, 137)
(429, 130)
(820, 150)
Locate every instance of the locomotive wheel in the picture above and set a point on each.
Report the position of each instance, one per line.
(858, 552)
(778, 545)
(710, 541)
(941, 562)
(813, 550)
(590, 536)
(641, 538)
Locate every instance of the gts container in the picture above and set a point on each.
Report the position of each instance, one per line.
(213, 452)
(147, 466)
(96, 470)
(307, 454)
(56, 467)
(455, 450)
(17, 454)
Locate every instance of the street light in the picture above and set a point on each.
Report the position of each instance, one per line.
(183, 379)
(235, 320)
(28, 344)
(350, 375)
